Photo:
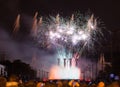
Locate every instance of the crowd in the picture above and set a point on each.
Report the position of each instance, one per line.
(14, 81)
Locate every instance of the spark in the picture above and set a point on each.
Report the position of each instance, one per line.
(70, 33)
(69, 37)
(17, 24)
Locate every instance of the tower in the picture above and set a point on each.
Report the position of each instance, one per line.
(102, 63)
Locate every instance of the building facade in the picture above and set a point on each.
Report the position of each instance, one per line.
(2, 70)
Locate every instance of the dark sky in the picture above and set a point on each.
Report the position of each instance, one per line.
(107, 10)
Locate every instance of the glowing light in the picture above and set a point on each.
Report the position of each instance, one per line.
(57, 72)
(70, 30)
(57, 35)
(62, 31)
(92, 23)
(10, 84)
(84, 36)
(75, 39)
(80, 32)
(52, 35)
(71, 33)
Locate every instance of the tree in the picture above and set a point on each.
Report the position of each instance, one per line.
(19, 68)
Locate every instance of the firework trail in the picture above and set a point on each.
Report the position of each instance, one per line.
(35, 16)
(40, 21)
(34, 25)
(17, 24)
(34, 28)
(70, 37)
(57, 19)
(73, 34)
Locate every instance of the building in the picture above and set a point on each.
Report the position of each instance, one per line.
(2, 70)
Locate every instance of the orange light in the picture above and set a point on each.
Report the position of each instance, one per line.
(8, 84)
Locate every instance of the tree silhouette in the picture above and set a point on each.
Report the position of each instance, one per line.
(19, 68)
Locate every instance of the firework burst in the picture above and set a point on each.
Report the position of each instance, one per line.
(74, 33)
(69, 36)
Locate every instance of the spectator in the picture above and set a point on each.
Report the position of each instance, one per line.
(40, 84)
(59, 83)
(20, 83)
(115, 84)
(13, 81)
(3, 82)
(30, 84)
(12, 84)
(101, 84)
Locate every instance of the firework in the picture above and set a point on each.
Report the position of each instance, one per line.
(35, 16)
(34, 25)
(68, 32)
(34, 28)
(92, 23)
(40, 21)
(69, 37)
(74, 33)
(17, 24)
(57, 19)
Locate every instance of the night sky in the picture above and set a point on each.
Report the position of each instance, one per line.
(108, 11)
